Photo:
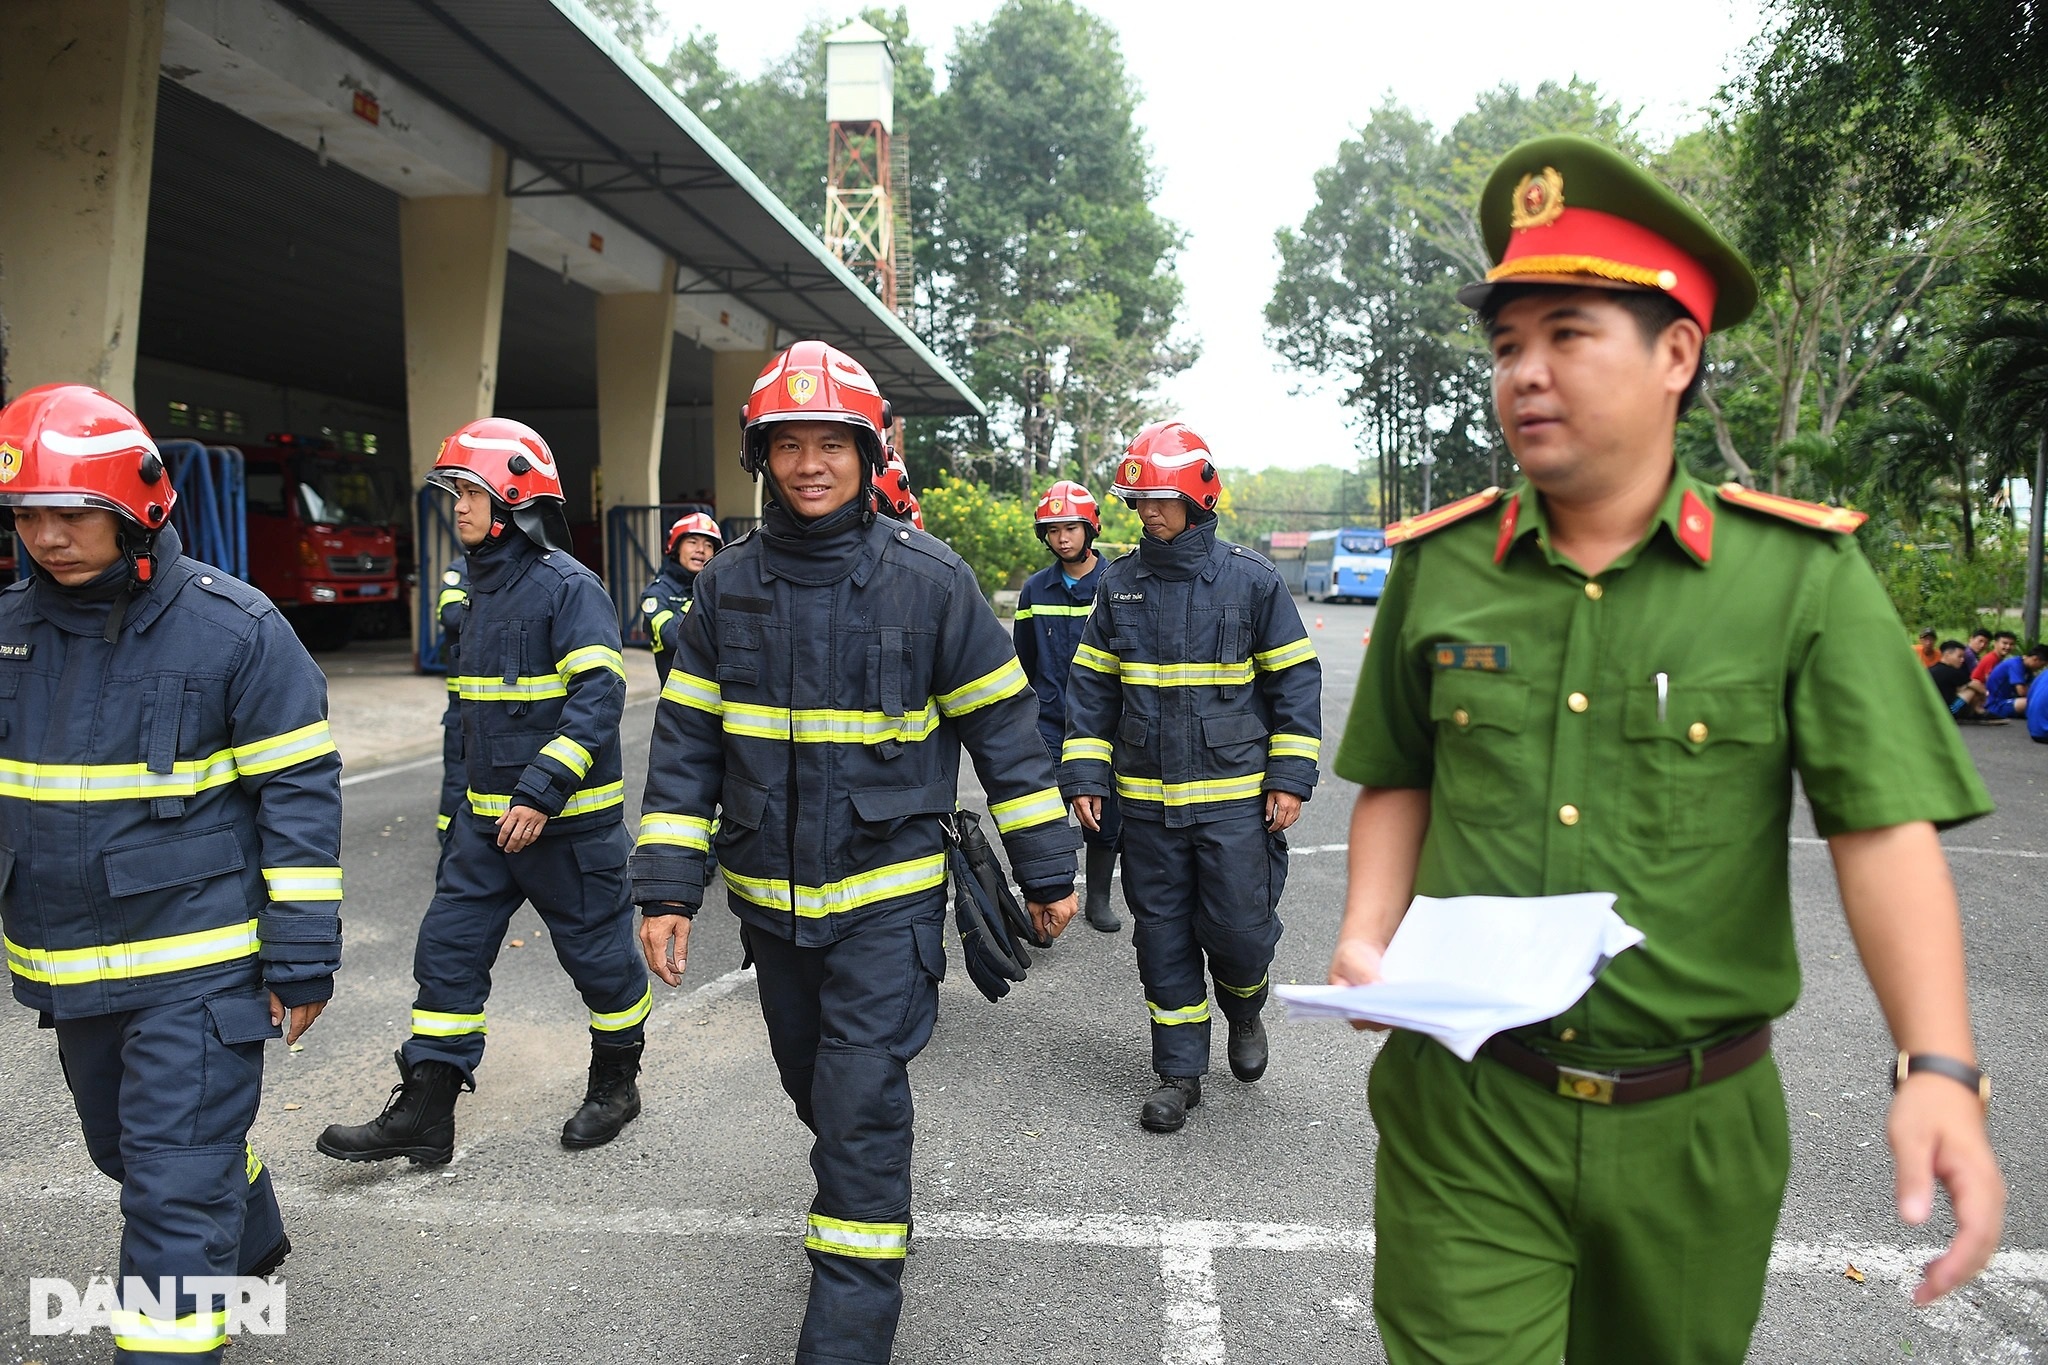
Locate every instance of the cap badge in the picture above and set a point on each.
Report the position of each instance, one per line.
(1058, 506)
(10, 462)
(802, 385)
(1133, 471)
(1539, 200)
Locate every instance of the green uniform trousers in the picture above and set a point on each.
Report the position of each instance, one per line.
(1518, 1226)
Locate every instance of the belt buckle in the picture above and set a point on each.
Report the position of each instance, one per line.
(1588, 1087)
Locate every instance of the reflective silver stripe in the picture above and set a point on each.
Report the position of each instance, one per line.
(1083, 748)
(284, 751)
(687, 689)
(866, 1241)
(687, 831)
(1185, 674)
(589, 657)
(625, 1018)
(1245, 992)
(1037, 808)
(1190, 793)
(582, 803)
(1186, 1014)
(863, 888)
(114, 781)
(1285, 656)
(435, 1024)
(125, 961)
(1294, 746)
(303, 883)
(1096, 660)
(991, 687)
(536, 688)
(827, 727)
(193, 1334)
(569, 754)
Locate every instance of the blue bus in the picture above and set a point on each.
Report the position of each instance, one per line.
(1347, 563)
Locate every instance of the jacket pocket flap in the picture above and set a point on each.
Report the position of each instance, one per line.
(183, 860)
(743, 803)
(1242, 728)
(517, 749)
(604, 855)
(1467, 699)
(879, 806)
(242, 1018)
(1700, 717)
(1133, 730)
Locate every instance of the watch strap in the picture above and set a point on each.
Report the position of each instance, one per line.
(1963, 1073)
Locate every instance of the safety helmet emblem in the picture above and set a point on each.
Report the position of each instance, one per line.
(1059, 505)
(802, 385)
(1133, 471)
(10, 462)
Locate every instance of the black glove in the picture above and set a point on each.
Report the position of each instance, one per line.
(994, 956)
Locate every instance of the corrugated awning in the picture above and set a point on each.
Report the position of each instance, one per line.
(544, 80)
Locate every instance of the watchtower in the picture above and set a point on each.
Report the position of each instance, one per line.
(866, 206)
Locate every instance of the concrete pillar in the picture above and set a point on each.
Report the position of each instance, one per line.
(732, 381)
(77, 138)
(636, 335)
(451, 253)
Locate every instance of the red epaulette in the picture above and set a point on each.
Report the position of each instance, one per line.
(1819, 516)
(1414, 528)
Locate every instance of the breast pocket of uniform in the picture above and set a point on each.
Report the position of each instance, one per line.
(1706, 767)
(1483, 772)
(739, 652)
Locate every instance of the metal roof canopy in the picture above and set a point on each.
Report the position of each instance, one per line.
(544, 80)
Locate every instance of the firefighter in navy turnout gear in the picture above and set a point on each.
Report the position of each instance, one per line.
(451, 606)
(691, 542)
(1195, 698)
(833, 666)
(1052, 611)
(542, 687)
(170, 835)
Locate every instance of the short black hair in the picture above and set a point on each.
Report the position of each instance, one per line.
(1653, 309)
(2006, 635)
(1946, 645)
(1927, 635)
(1980, 631)
(2038, 652)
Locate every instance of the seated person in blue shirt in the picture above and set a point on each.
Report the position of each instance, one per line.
(2008, 682)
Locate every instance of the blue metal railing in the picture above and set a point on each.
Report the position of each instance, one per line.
(632, 556)
(434, 549)
(212, 512)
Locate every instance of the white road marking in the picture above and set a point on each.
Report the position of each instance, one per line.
(414, 765)
(717, 988)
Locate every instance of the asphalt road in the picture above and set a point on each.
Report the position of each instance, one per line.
(1049, 1226)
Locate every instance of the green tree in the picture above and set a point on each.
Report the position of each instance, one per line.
(1048, 275)
(1923, 435)
(991, 531)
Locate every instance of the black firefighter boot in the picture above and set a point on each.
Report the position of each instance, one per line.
(1166, 1108)
(1248, 1048)
(418, 1121)
(613, 1098)
(1101, 863)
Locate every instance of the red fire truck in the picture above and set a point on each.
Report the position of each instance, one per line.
(321, 540)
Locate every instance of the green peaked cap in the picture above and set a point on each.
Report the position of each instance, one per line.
(1562, 172)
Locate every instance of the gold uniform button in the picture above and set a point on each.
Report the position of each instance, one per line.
(1698, 733)
(1570, 1035)
(1576, 701)
(1461, 718)
(1568, 815)
(1595, 591)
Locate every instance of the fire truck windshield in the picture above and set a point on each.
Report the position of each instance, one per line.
(339, 493)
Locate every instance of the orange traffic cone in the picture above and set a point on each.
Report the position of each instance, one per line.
(1319, 623)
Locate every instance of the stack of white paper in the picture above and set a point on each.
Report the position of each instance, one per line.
(1465, 968)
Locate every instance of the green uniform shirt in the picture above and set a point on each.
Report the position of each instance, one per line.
(1556, 762)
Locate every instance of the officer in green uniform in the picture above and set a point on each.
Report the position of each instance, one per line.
(1604, 680)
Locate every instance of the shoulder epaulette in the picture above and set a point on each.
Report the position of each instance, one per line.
(1414, 528)
(210, 580)
(1841, 520)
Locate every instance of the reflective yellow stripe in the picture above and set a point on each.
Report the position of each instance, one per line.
(1081, 747)
(434, 1024)
(1185, 675)
(687, 689)
(582, 803)
(867, 1241)
(1023, 613)
(1245, 992)
(113, 781)
(589, 657)
(443, 821)
(827, 727)
(1190, 793)
(1294, 746)
(569, 754)
(625, 1018)
(537, 688)
(835, 898)
(988, 689)
(686, 831)
(303, 883)
(193, 1334)
(250, 1161)
(126, 961)
(1187, 1014)
(454, 687)
(654, 625)
(284, 751)
(448, 597)
(1285, 656)
(1041, 807)
(1056, 611)
(1088, 656)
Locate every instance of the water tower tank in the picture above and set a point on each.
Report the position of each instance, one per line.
(860, 76)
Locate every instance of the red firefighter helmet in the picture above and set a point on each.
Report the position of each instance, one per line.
(509, 458)
(693, 524)
(813, 382)
(1167, 460)
(67, 445)
(892, 489)
(1067, 501)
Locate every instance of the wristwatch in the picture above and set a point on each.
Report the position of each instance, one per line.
(1962, 1072)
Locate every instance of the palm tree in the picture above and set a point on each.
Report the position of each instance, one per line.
(2013, 365)
(1923, 432)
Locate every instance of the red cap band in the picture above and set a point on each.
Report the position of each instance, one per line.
(1585, 241)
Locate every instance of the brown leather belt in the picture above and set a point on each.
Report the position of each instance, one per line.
(1637, 1084)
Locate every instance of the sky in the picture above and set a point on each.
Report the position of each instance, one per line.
(1240, 116)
